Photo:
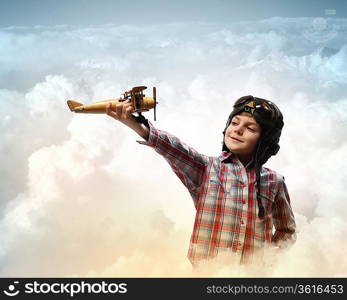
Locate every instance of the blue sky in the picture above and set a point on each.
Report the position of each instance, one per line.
(95, 12)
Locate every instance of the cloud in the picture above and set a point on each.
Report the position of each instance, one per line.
(79, 197)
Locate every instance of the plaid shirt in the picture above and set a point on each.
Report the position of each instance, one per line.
(225, 197)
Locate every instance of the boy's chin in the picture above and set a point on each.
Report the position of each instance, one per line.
(233, 149)
(237, 151)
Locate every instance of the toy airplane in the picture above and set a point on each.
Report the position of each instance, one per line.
(135, 95)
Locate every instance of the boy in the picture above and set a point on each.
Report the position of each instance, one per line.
(237, 200)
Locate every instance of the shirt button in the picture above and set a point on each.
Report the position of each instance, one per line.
(241, 221)
(243, 201)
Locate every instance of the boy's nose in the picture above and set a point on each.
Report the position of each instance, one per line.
(238, 131)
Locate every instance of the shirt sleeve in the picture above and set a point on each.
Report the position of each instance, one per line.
(186, 162)
(283, 218)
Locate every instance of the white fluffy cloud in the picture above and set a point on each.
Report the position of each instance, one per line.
(80, 197)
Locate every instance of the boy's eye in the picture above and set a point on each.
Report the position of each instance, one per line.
(251, 129)
(233, 123)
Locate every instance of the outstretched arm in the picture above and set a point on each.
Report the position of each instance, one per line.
(187, 163)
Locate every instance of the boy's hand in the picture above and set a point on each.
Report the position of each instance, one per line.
(122, 112)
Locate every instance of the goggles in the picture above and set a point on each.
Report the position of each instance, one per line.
(257, 107)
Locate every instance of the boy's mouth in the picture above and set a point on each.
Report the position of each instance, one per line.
(235, 139)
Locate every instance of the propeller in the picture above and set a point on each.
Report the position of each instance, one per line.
(155, 102)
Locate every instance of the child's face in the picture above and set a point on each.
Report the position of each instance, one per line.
(242, 135)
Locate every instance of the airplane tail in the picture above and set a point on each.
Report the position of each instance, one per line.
(73, 104)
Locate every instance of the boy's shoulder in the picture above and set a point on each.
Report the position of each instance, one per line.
(271, 175)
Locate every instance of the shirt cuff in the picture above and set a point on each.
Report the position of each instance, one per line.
(152, 138)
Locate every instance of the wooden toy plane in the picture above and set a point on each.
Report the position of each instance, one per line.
(135, 95)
